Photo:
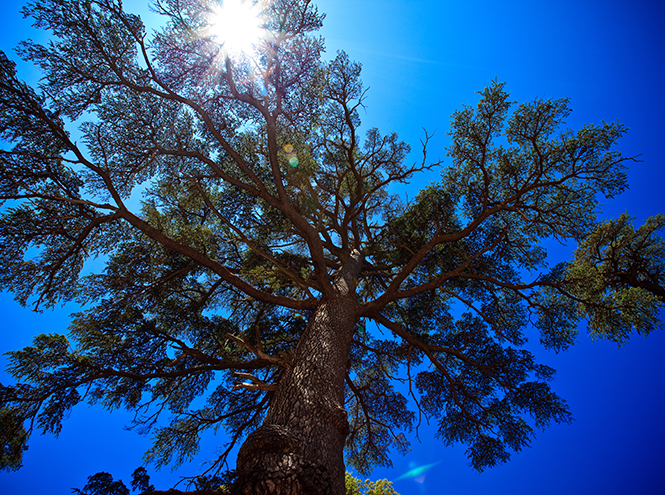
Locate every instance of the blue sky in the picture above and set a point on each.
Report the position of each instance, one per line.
(422, 60)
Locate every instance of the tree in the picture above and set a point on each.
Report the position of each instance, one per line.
(356, 487)
(104, 484)
(267, 245)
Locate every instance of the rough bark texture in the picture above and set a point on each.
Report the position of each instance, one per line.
(299, 447)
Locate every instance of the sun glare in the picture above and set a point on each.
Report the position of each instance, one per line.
(237, 26)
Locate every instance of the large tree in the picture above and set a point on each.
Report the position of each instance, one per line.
(232, 236)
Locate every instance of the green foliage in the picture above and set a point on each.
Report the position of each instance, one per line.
(619, 273)
(356, 487)
(12, 440)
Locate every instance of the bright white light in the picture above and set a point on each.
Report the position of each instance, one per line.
(236, 25)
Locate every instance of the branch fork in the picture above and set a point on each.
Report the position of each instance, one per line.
(283, 361)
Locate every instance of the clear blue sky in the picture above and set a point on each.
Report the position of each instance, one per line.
(422, 60)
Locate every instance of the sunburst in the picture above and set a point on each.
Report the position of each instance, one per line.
(237, 25)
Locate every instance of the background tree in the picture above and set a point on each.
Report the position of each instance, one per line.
(104, 484)
(380, 487)
(267, 239)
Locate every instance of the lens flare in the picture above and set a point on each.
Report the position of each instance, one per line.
(417, 474)
(293, 158)
(237, 26)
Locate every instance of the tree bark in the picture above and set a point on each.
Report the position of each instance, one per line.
(299, 448)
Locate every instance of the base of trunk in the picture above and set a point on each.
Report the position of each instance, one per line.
(280, 469)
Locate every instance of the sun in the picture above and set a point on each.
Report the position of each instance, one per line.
(237, 26)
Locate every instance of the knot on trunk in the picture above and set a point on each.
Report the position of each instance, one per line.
(336, 416)
(271, 461)
(268, 439)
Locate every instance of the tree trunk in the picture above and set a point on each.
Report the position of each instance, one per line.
(299, 448)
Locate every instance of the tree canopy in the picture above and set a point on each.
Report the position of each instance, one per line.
(232, 234)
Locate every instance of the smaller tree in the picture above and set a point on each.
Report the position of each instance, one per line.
(380, 487)
(104, 484)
